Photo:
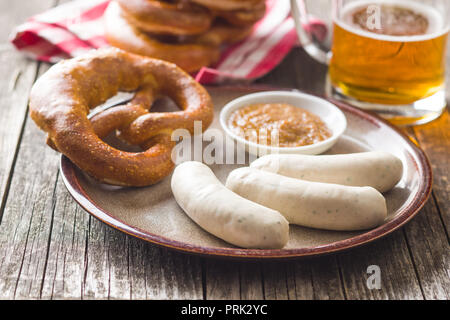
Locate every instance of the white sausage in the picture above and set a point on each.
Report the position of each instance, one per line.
(224, 213)
(311, 204)
(380, 170)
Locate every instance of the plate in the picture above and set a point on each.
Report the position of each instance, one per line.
(152, 214)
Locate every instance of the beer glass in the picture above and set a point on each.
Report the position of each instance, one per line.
(386, 56)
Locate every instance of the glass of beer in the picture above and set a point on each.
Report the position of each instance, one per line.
(386, 56)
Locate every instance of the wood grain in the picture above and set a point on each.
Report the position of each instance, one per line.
(28, 218)
(427, 234)
(21, 241)
(19, 76)
(434, 138)
(429, 250)
(398, 277)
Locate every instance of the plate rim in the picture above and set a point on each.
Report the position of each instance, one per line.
(69, 176)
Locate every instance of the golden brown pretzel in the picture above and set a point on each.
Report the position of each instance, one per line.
(244, 17)
(221, 33)
(180, 18)
(229, 4)
(61, 99)
(121, 34)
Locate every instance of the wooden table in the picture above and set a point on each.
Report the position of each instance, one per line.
(50, 248)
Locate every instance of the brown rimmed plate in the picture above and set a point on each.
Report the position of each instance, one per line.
(152, 214)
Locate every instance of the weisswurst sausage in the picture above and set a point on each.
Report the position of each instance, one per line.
(380, 170)
(311, 204)
(225, 214)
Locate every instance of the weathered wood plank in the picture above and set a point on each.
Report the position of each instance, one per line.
(120, 267)
(18, 76)
(251, 284)
(398, 278)
(315, 278)
(302, 279)
(275, 280)
(298, 280)
(426, 234)
(96, 285)
(326, 279)
(180, 275)
(431, 252)
(28, 218)
(64, 275)
(434, 138)
(222, 279)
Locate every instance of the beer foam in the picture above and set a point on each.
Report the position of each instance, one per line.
(436, 23)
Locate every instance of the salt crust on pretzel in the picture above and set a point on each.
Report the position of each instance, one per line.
(164, 17)
(60, 101)
(121, 34)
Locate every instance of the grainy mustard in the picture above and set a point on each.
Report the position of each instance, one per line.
(265, 122)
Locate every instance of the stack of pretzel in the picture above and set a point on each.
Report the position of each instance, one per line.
(189, 33)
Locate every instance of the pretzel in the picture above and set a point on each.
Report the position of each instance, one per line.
(243, 17)
(180, 18)
(221, 33)
(121, 34)
(61, 99)
(229, 4)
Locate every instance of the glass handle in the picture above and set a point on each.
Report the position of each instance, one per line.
(301, 19)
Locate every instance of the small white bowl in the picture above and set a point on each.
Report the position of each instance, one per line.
(331, 115)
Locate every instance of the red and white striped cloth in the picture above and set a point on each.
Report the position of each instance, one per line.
(76, 27)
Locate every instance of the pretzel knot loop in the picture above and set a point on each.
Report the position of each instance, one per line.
(61, 99)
